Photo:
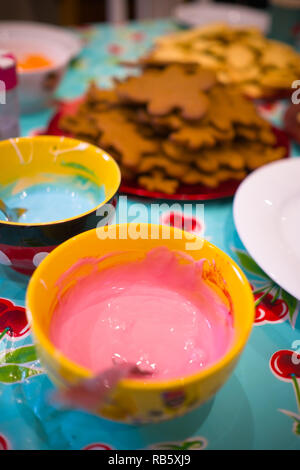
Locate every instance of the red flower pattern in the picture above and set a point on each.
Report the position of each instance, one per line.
(97, 446)
(13, 320)
(285, 364)
(268, 309)
(138, 36)
(115, 49)
(3, 443)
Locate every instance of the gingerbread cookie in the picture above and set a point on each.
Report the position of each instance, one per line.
(164, 91)
(213, 180)
(223, 156)
(162, 124)
(196, 137)
(157, 181)
(118, 132)
(100, 99)
(171, 168)
(149, 131)
(182, 154)
(78, 125)
(256, 154)
(239, 56)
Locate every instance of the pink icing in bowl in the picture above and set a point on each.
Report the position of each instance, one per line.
(170, 393)
(156, 312)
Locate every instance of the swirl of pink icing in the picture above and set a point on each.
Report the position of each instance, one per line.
(155, 312)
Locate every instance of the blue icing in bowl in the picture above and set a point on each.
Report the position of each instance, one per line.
(57, 198)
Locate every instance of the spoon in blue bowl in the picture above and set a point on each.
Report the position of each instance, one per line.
(11, 215)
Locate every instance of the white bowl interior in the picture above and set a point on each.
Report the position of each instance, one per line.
(57, 44)
(20, 49)
(23, 38)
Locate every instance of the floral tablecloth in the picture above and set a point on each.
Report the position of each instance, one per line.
(258, 408)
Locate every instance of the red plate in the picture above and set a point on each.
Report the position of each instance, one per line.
(185, 191)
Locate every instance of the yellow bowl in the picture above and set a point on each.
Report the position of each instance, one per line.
(134, 401)
(30, 160)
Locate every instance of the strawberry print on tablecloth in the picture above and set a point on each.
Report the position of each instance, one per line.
(272, 303)
(192, 443)
(285, 365)
(4, 445)
(13, 320)
(97, 446)
(16, 363)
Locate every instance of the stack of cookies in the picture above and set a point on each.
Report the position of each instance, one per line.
(241, 56)
(175, 125)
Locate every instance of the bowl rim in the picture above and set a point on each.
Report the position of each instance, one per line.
(49, 138)
(134, 384)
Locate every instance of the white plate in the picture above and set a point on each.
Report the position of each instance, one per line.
(266, 212)
(197, 14)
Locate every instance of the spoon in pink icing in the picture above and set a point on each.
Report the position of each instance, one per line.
(91, 393)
